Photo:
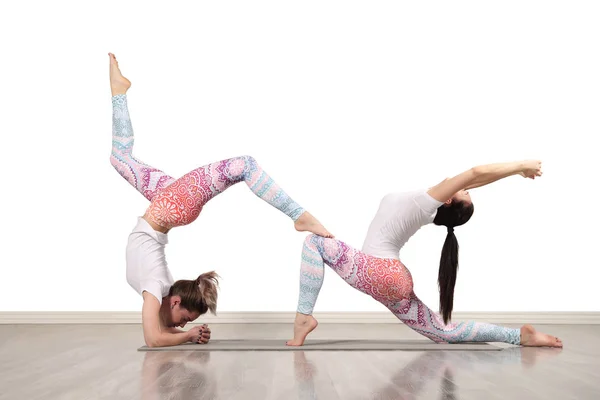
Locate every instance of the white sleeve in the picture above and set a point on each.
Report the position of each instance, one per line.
(427, 203)
(154, 288)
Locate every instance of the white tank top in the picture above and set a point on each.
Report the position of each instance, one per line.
(400, 216)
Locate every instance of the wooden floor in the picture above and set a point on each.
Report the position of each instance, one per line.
(102, 362)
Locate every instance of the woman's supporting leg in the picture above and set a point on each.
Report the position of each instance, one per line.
(415, 314)
(145, 178)
(386, 280)
(182, 201)
(390, 282)
(379, 278)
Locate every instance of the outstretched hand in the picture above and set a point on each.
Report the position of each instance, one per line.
(531, 169)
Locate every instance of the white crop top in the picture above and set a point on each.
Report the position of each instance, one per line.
(400, 216)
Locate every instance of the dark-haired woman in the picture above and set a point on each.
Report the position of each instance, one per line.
(178, 202)
(378, 272)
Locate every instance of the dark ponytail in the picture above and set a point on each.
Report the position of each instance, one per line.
(447, 274)
(455, 214)
(199, 295)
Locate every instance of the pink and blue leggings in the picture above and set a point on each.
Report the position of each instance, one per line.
(389, 282)
(177, 202)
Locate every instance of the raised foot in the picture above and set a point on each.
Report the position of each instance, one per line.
(533, 338)
(307, 222)
(303, 325)
(118, 83)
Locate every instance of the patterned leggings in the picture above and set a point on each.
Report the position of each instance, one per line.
(177, 202)
(389, 282)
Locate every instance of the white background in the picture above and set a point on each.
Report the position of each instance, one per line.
(341, 102)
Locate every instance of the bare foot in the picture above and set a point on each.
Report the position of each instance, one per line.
(118, 83)
(531, 337)
(307, 222)
(303, 325)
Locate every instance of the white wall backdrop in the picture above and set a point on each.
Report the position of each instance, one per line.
(341, 102)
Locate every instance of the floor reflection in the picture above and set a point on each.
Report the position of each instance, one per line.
(435, 369)
(432, 374)
(443, 366)
(177, 375)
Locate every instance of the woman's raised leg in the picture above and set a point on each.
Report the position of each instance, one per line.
(181, 202)
(145, 178)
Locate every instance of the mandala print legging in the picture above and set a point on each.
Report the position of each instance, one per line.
(177, 202)
(389, 282)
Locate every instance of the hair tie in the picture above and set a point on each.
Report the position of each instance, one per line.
(450, 229)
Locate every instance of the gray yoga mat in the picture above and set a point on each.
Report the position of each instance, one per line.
(360, 345)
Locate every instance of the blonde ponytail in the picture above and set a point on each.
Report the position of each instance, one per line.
(208, 283)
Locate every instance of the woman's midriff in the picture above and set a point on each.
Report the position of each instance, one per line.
(154, 225)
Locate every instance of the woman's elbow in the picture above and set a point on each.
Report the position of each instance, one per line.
(477, 171)
(153, 341)
(152, 345)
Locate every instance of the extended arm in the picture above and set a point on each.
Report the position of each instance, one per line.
(490, 173)
(483, 175)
